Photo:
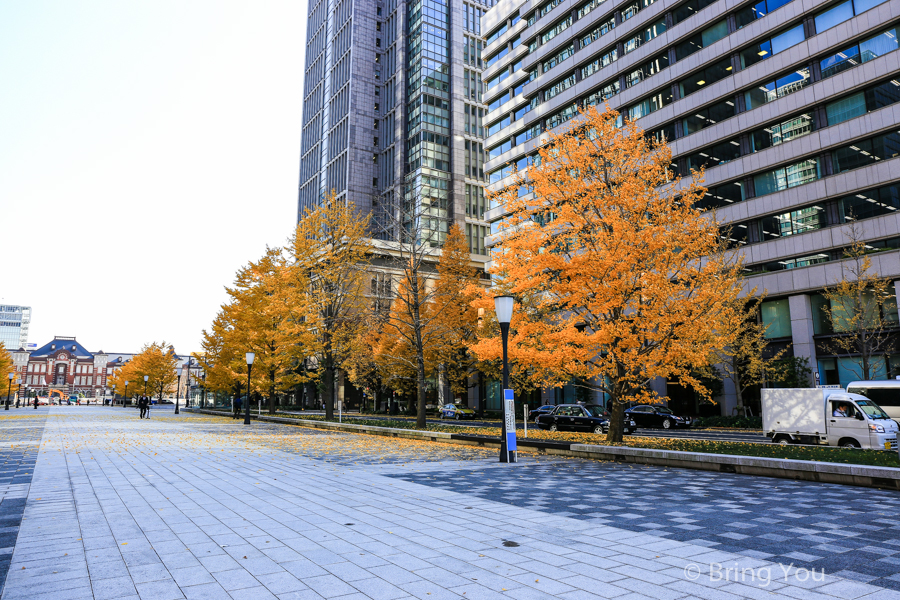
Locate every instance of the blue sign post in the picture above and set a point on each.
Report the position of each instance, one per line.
(509, 426)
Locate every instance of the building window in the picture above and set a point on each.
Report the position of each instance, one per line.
(866, 152)
(783, 178)
(785, 131)
(705, 38)
(858, 54)
(776, 318)
(705, 77)
(771, 47)
(756, 11)
(769, 91)
(860, 103)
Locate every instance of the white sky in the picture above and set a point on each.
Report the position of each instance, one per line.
(148, 149)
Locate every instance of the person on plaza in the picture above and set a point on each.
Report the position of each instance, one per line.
(237, 408)
(142, 404)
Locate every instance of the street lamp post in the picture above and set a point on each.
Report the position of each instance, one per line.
(250, 357)
(187, 388)
(9, 389)
(504, 307)
(178, 389)
(125, 398)
(146, 377)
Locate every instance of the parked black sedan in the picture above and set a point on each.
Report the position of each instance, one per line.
(541, 410)
(646, 415)
(577, 417)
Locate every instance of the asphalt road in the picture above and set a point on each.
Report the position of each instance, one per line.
(719, 436)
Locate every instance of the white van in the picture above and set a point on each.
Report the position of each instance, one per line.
(826, 417)
(885, 394)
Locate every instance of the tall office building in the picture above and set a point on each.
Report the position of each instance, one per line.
(14, 322)
(393, 107)
(792, 106)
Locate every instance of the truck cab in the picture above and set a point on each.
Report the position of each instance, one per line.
(854, 421)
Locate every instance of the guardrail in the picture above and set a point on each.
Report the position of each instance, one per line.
(807, 470)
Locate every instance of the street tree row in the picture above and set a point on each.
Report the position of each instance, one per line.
(619, 279)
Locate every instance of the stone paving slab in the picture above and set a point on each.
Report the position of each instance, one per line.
(20, 438)
(849, 531)
(196, 507)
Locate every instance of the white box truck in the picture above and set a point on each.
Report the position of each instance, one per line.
(830, 417)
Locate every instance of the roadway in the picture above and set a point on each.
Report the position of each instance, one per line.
(750, 436)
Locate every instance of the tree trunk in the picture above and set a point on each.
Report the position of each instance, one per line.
(328, 394)
(617, 417)
(272, 392)
(420, 390)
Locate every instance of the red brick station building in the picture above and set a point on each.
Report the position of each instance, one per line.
(65, 365)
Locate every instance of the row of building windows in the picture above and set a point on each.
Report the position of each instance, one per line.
(474, 159)
(683, 11)
(475, 202)
(872, 98)
(474, 120)
(762, 93)
(866, 204)
(475, 235)
(472, 85)
(807, 260)
(472, 51)
(472, 18)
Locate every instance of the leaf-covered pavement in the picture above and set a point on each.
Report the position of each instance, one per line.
(200, 507)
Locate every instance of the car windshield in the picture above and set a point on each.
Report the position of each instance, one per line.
(664, 410)
(595, 409)
(871, 409)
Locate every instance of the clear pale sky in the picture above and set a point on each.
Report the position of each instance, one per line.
(148, 149)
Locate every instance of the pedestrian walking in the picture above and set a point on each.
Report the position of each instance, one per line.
(237, 408)
(142, 404)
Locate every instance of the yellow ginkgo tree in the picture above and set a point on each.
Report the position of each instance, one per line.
(619, 279)
(321, 293)
(157, 361)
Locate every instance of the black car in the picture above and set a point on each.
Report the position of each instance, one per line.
(646, 415)
(578, 417)
(541, 410)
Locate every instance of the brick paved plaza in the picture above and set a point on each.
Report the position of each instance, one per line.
(204, 507)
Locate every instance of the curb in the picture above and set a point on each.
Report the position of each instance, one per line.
(806, 470)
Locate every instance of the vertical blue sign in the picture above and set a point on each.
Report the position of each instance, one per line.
(509, 416)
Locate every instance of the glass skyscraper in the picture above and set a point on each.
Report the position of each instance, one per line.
(14, 322)
(393, 109)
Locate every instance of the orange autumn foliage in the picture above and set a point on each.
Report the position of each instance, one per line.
(618, 278)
